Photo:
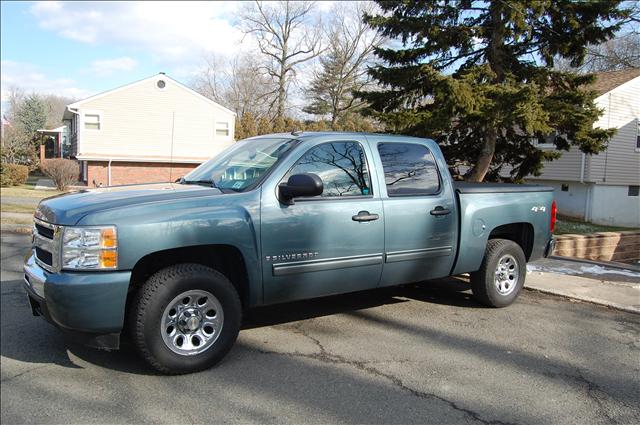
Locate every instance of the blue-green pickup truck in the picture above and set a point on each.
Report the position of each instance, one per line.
(273, 219)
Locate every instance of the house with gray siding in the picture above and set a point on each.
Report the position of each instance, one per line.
(604, 188)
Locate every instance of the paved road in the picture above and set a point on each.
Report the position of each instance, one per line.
(418, 354)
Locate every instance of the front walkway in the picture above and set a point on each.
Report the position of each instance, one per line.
(45, 184)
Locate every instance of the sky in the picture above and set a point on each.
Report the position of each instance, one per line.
(78, 49)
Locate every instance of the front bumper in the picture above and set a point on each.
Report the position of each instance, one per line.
(89, 306)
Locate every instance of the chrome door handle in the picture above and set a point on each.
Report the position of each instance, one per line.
(365, 216)
(439, 210)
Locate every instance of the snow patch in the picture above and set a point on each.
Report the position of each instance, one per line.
(599, 270)
(581, 270)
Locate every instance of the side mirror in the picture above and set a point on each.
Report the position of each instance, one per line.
(307, 184)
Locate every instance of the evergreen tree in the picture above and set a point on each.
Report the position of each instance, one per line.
(478, 77)
(30, 116)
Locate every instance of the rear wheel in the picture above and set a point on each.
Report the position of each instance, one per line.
(185, 318)
(502, 273)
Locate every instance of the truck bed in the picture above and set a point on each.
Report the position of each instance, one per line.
(486, 208)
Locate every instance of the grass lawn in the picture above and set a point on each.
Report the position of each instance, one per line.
(17, 208)
(27, 191)
(565, 226)
(31, 196)
(26, 220)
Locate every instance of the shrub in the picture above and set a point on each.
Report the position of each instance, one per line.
(13, 174)
(63, 172)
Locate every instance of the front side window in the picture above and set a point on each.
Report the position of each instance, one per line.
(409, 169)
(341, 166)
(92, 121)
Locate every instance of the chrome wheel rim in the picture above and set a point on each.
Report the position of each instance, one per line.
(192, 322)
(506, 275)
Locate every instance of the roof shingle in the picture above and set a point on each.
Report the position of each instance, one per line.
(607, 81)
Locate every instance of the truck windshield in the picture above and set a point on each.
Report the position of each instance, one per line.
(242, 166)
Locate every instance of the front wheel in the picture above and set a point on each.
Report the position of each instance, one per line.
(501, 275)
(185, 318)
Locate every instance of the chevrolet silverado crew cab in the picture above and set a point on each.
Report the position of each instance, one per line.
(273, 219)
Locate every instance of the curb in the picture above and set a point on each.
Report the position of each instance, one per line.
(610, 264)
(590, 300)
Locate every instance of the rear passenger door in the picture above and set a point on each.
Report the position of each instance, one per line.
(419, 210)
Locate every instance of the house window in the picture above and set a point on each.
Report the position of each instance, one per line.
(222, 128)
(92, 121)
(637, 134)
(161, 84)
(547, 141)
(565, 188)
(634, 191)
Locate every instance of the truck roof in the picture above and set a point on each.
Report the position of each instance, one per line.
(302, 135)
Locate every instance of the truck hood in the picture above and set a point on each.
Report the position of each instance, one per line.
(68, 209)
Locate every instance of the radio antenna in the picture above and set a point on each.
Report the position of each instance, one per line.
(173, 119)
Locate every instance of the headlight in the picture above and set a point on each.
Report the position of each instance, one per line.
(89, 248)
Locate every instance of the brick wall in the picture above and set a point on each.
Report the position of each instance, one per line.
(605, 246)
(134, 172)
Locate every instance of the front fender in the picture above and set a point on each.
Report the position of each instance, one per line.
(226, 220)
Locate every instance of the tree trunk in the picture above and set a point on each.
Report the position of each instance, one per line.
(281, 93)
(495, 59)
(334, 118)
(481, 168)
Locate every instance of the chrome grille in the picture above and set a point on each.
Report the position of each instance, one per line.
(44, 231)
(46, 244)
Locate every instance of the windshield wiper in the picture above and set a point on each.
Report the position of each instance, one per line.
(209, 183)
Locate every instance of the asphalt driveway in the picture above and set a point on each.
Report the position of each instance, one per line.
(417, 354)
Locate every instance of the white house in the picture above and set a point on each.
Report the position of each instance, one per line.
(604, 188)
(152, 130)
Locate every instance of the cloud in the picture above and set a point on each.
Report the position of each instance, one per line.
(31, 79)
(106, 67)
(169, 31)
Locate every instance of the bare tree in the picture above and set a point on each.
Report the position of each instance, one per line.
(249, 90)
(16, 96)
(344, 64)
(622, 52)
(618, 53)
(238, 84)
(55, 107)
(209, 80)
(286, 38)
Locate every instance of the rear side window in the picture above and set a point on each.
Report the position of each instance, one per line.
(409, 169)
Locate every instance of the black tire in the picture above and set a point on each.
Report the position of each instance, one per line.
(152, 299)
(483, 281)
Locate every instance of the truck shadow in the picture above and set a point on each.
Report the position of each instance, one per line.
(48, 345)
(452, 291)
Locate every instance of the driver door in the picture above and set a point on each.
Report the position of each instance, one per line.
(321, 246)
